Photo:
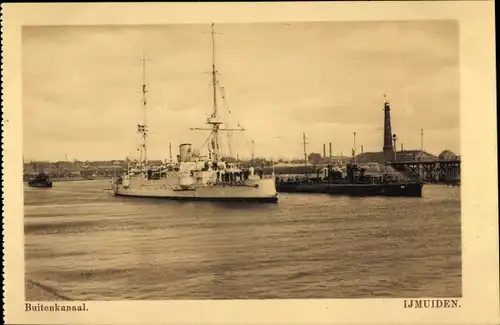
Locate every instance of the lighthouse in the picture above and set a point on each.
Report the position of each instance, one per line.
(388, 148)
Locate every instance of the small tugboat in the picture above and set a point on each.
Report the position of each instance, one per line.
(40, 180)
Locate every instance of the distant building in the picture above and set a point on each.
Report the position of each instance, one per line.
(405, 155)
(448, 155)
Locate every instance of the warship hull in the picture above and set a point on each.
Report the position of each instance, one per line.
(251, 191)
(394, 189)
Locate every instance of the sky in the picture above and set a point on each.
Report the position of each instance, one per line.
(82, 99)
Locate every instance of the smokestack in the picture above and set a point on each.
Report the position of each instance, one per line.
(421, 140)
(305, 148)
(354, 149)
(361, 148)
(253, 150)
(324, 150)
(402, 148)
(330, 162)
(394, 138)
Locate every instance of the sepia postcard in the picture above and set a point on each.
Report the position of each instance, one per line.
(250, 163)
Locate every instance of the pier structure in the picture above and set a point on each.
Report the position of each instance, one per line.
(419, 164)
(443, 171)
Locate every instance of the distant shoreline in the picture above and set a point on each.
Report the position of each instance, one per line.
(71, 179)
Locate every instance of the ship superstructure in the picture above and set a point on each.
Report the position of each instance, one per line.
(193, 176)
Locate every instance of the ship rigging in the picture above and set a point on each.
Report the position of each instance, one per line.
(142, 129)
(215, 120)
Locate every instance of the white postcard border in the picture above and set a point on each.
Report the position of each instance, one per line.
(480, 302)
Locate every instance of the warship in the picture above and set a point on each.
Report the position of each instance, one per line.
(193, 176)
(329, 180)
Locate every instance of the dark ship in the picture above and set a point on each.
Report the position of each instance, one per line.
(40, 180)
(356, 183)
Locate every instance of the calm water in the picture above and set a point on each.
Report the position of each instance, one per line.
(87, 244)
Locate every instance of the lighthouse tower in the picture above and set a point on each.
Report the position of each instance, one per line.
(388, 148)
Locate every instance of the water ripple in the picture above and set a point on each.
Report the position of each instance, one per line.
(91, 245)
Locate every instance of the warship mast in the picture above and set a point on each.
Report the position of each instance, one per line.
(214, 119)
(143, 128)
